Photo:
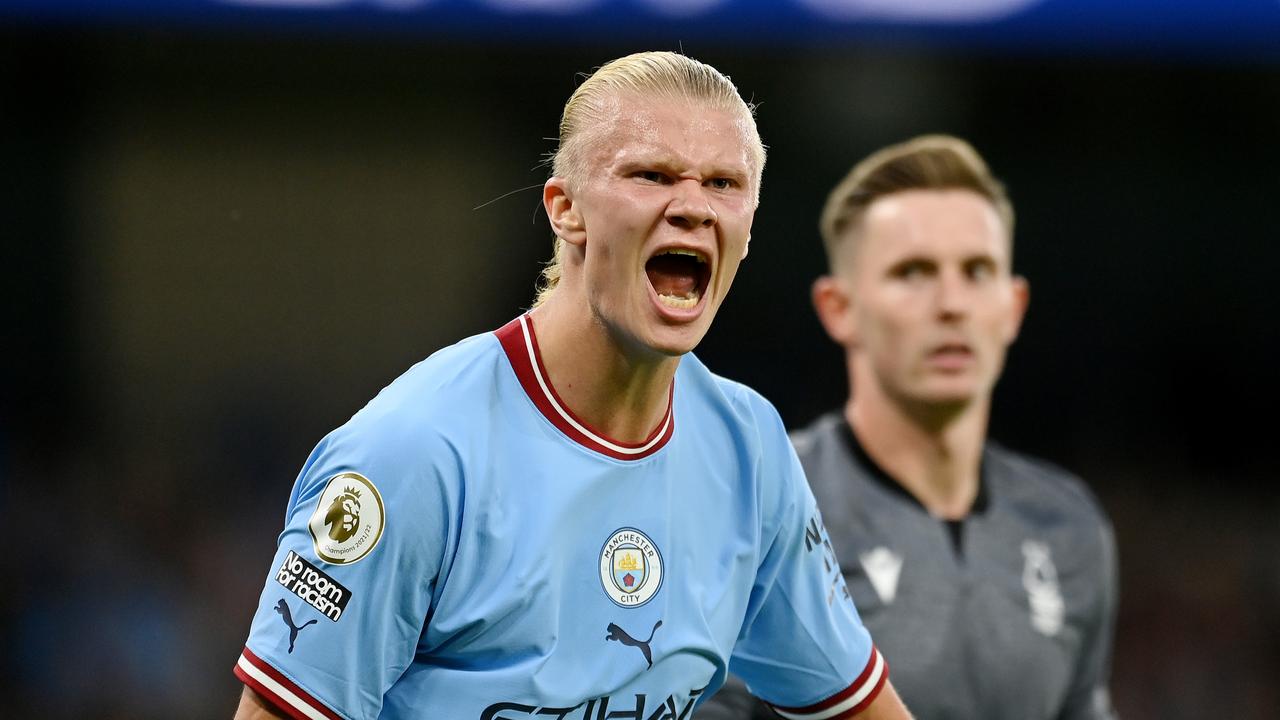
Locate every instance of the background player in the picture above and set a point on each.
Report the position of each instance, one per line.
(571, 517)
(988, 576)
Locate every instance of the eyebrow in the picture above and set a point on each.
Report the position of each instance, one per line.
(919, 257)
(667, 164)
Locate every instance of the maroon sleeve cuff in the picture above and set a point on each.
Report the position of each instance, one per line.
(848, 702)
(279, 690)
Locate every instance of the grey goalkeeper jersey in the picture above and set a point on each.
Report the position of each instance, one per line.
(1006, 615)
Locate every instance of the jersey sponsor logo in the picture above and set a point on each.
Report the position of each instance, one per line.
(883, 566)
(630, 707)
(282, 607)
(313, 586)
(816, 539)
(617, 633)
(348, 520)
(1040, 578)
(630, 568)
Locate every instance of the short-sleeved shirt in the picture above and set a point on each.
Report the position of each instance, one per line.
(1006, 615)
(465, 547)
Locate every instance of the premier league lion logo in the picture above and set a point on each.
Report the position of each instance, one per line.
(343, 515)
(347, 520)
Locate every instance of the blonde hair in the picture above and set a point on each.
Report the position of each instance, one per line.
(928, 162)
(659, 75)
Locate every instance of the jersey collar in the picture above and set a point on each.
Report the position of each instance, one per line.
(980, 501)
(521, 347)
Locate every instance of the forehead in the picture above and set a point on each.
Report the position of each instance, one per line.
(682, 132)
(937, 223)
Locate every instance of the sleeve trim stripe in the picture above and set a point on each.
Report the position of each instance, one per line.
(284, 694)
(848, 702)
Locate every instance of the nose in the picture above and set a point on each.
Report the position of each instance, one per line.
(953, 296)
(689, 207)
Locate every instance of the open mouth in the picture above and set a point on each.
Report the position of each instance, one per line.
(679, 276)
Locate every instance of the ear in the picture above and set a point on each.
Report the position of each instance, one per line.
(834, 305)
(1021, 298)
(566, 220)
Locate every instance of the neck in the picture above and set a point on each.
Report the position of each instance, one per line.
(935, 454)
(621, 392)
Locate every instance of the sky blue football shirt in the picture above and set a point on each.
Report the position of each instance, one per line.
(467, 548)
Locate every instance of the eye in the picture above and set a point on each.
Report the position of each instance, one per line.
(652, 176)
(913, 270)
(980, 269)
(722, 183)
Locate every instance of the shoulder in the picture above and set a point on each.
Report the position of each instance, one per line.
(745, 402)
(459, 369)
(745, 423)
(819, 435)
(1037, 485)
(837, 477)
(411, 444)
(749, 420)
(436, 392)
(414, 426)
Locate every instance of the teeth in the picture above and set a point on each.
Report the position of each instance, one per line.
(680, 303)
(690, 253)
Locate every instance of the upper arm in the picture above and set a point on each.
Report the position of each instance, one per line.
(803, 648)
(346, 598)
(1090, 697)
(255, 707)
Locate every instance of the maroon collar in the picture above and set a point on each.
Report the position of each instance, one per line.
(521, 347)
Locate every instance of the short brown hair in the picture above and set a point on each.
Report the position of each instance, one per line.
(928, 162)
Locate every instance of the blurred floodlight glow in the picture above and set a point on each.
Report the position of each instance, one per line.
(1245, 28)
(291, 3)
(683, 8)
(552, 6)
(402, 4)
(920, 10)
(331, 4)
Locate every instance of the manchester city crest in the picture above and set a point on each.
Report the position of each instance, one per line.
(630, 568)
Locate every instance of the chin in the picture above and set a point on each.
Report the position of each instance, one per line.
(676, 341)
(953, 396)
(672, 347)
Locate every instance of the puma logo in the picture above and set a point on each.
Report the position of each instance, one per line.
(617, 633)
(283, 608)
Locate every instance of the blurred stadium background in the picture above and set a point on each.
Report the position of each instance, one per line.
(228, 224)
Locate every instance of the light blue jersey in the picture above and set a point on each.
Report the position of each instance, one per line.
(465, 548)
